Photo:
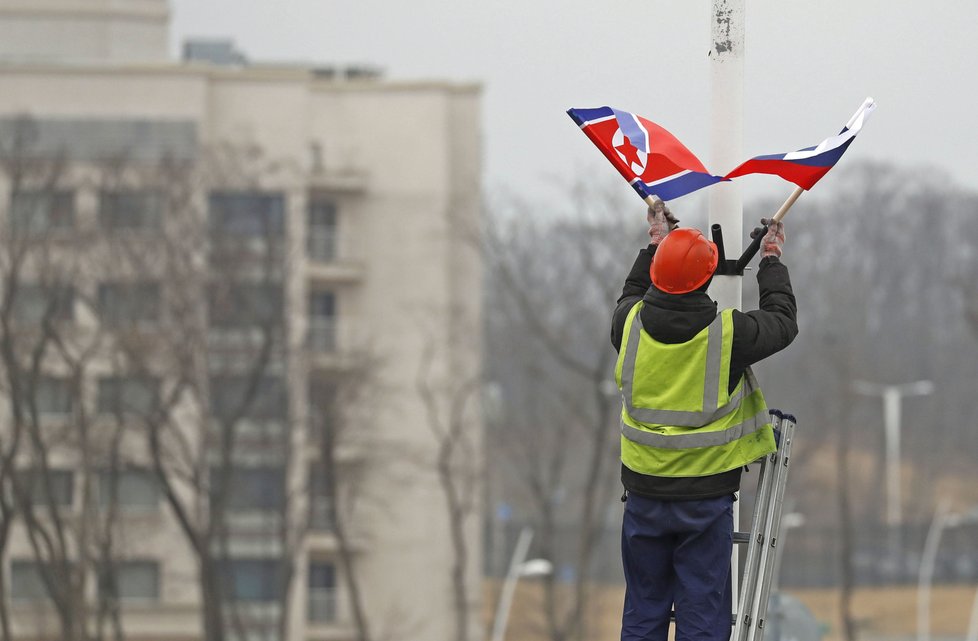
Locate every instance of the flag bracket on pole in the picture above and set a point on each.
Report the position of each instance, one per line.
(728, 266)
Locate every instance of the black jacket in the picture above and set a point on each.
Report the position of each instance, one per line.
(676, 318)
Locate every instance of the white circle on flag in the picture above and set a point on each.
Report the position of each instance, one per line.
(638, 167)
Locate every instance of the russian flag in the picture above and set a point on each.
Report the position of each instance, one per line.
(650, 158)
(806, 167)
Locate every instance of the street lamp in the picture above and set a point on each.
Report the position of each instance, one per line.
(518, 567)
(973, 620)
(943, 519)
(892, 396)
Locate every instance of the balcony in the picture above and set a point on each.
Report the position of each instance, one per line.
(322, 337)
(330, 342)
(347, 180)
(322, 606)
(333, 257)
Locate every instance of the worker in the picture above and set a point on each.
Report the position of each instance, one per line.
(693, 416)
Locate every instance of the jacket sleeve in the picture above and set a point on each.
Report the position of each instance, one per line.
(637, 283)
(765, 331)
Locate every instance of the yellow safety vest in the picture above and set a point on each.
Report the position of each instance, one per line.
(678, 418)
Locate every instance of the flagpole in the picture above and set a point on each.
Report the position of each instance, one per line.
(787, 204)
(727, 20)
(727, 109)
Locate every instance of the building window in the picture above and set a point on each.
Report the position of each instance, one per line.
(322, 321)
(51, 396)
(242, 305)
(127, 304)
(322, 592)
(53, 488)
(129, 489)
(131, 580)
(229, 398)
(324, 414)
(322, 238)
(33, 303)
(136, 210)
(321, 513)
(34, 212)
(253, 214)
(117, 395)
(254, 579)
(26, 581)
(253, 489)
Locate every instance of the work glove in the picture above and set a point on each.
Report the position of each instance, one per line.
(773, 242)
(661, 222)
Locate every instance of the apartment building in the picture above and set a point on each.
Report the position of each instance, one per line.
(368, 192)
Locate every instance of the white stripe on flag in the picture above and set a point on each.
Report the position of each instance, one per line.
(854, 126)
(597, 120)
(668, 178)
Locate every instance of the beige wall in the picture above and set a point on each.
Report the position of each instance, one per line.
(84, 30)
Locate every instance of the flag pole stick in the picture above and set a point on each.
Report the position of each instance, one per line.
(787, 204)
(755, 244)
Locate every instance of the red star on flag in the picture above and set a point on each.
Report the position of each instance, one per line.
(629, 151)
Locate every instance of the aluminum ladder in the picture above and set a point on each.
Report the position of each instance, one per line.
(762, 540)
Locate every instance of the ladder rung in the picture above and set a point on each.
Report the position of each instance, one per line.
(741, 537)
(733, 617)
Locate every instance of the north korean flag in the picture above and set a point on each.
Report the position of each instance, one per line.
(650, 158)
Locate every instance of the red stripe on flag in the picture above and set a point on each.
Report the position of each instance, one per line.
(805, 176)
(667, 150)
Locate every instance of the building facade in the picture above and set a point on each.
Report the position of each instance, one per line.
(369, 192)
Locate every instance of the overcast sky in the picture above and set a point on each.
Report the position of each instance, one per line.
(809, 65)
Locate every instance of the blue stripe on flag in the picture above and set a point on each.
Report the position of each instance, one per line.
(826, 158)
(583, 116)
(680, 186)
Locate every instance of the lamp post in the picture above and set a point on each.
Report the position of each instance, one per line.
(973, 620)
(728, 20)
(892, 396)
(943, 519)
(518, 567)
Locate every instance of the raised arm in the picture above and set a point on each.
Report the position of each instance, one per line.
(769, 329)
(661, 222)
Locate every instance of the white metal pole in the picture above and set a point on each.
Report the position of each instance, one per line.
(726, 135)
(973, 620)
(892, 396)
(509, 585)
(891, 426)
(925, 575)
(727, 31)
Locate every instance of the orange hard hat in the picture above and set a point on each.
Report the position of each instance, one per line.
(684, 260)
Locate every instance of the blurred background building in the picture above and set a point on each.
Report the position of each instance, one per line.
(318, 226)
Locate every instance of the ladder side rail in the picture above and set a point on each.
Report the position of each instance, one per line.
(746, 601)
(759, 614)
(776, 533)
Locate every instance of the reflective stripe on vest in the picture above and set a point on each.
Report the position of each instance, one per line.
(711, 386)
(696, 439)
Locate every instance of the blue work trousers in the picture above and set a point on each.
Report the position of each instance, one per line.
(677, 553)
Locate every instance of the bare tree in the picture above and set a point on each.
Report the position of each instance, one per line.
(448, 399)
(335, 491)
(47, 365)
(880, 273)
(555, 284)
(220, 359)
